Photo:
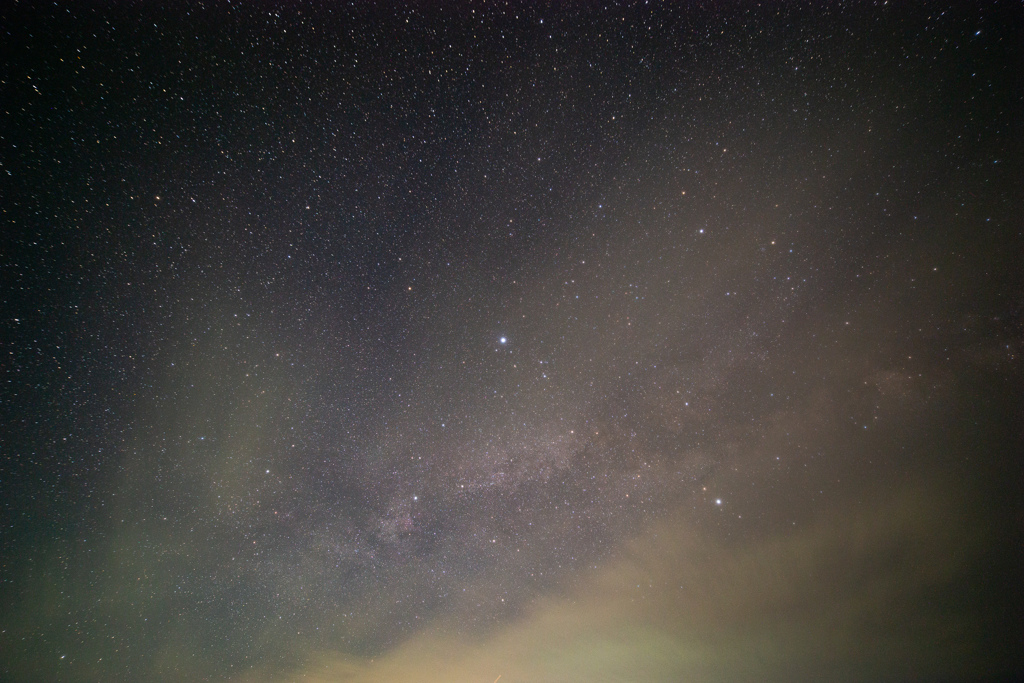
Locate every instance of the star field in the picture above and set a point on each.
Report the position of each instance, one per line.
(625, 342)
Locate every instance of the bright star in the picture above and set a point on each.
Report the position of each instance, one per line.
(503, 340)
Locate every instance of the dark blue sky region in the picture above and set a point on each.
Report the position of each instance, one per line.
(556, 342)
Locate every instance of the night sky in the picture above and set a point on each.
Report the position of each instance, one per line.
(430, 342)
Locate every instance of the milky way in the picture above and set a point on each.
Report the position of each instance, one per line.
(638, 342)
